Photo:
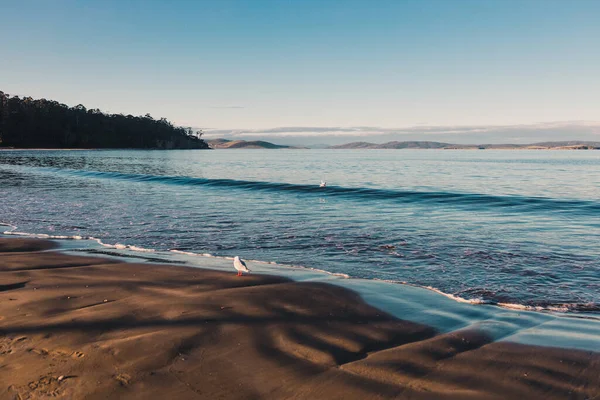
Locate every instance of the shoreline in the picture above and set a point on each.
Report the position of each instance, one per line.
(87, 149)
(86, 326)
(122, 252)
(565, 148)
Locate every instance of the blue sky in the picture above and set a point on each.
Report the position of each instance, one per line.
(329, 66)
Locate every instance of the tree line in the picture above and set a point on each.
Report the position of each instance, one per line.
(41, 123)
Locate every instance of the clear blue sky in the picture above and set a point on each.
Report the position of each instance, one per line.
(261, 64)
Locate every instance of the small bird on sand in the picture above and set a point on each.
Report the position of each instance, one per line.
(323, 184)
(240, 265)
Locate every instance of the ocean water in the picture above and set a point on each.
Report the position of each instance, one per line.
(518, 228)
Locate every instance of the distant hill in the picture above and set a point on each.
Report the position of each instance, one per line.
(355, 145)
(566, 145)
(414, 145)
(243, 144)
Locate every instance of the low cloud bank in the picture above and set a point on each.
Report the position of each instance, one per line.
(474, 134)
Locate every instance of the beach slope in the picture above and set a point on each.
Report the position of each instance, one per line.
(82, 327)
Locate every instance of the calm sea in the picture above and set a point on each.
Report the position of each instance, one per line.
(517, 227)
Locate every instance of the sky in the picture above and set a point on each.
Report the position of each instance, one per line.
(326, 71)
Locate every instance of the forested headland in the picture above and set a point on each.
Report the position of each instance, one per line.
(41, 123)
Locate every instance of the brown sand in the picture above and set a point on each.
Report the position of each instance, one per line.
(91, 328)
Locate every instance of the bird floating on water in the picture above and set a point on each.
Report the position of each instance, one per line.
(323, 184)
(240, 265)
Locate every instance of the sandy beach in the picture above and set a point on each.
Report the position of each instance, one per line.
(82, 327)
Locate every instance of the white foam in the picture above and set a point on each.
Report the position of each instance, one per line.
(142, 249)
(120, 246)
(187, 253)
(302, 267)
(523, 307)
(391, 281)
(338, 274)
(11, 226)
(42, 235)
(458, 298)
(117, 246)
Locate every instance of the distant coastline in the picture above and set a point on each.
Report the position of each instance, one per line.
(563, 145)
(408, 145)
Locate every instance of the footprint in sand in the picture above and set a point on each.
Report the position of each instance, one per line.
(45, 386)
(123, 379)
(9, 345)
(77, 354)
(40, 352)
(59, 353)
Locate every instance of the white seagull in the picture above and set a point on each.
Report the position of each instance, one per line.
(323, 184)
(240, 265)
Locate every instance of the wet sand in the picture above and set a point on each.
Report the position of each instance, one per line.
(79, 327)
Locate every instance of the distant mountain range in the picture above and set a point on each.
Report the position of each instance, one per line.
(260, 144)
(243, 144)
(566, 145)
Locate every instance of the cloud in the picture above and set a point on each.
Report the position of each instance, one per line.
(227, 107)
(524, 132)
